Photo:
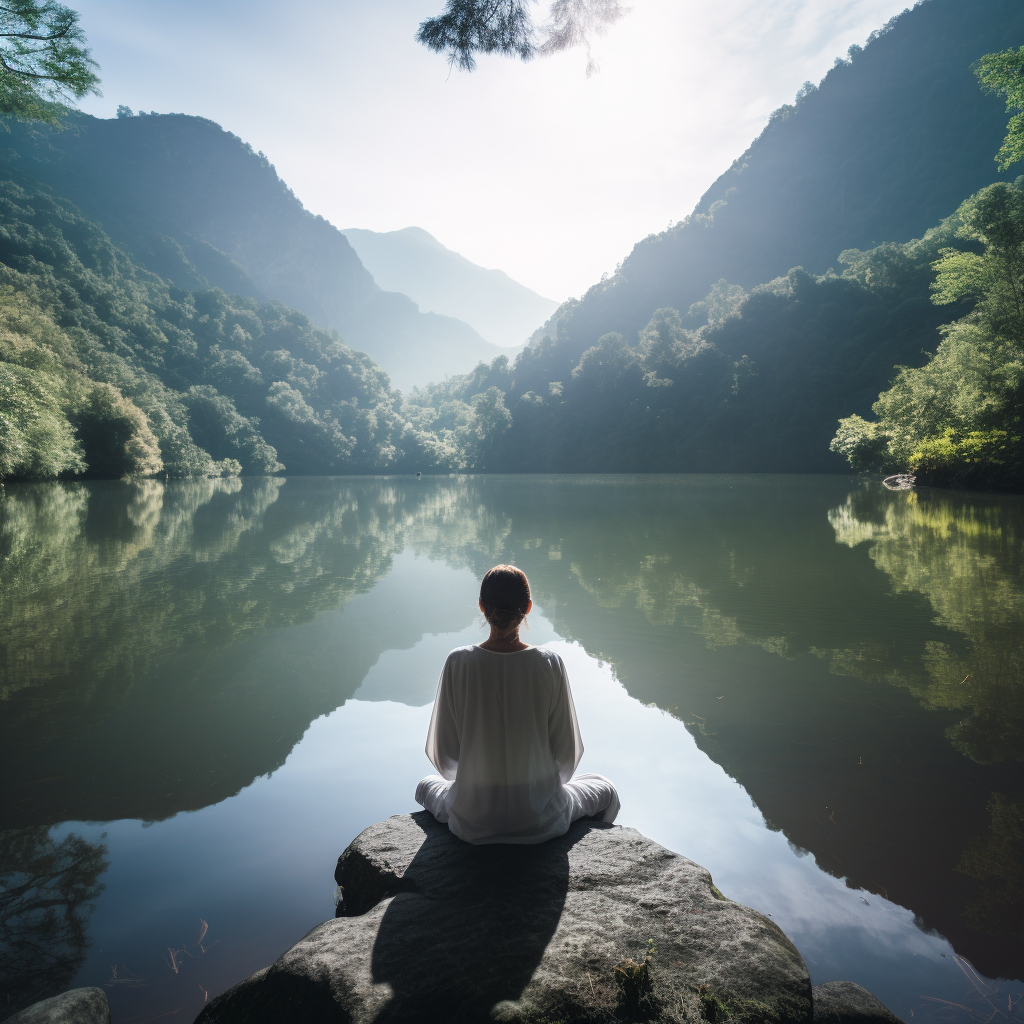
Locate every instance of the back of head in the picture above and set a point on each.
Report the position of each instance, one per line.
(505, 596)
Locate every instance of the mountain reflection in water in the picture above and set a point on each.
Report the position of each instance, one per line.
(852, 657)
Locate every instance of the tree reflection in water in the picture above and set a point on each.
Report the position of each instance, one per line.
(830, 649)
(997, 861)
(966, 556)
(719, 600)
(135, 616)
(46, 889)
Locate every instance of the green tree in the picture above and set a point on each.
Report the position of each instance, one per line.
(864, 444)
(469, 27)
(958, 418)
(605, 366)
(218, 427)
(116, 435)
(36, 439)
(1003, 74)
(995, 219)
(723, 301)
(664, 344)
(489, 421)
(44, 62)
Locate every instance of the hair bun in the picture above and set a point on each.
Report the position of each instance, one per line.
(505, 596)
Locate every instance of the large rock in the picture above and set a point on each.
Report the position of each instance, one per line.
(76, 1006)
(843, 1002)
(434, 929)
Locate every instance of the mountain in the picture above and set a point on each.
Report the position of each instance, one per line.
(728, 343)
(415, 263)
(168, 186)
(736, 341)
(759, 388)
(107, 370)
(890, 142)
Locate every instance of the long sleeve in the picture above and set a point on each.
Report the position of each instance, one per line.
(564, 730)
(503, 734)
(443, 733)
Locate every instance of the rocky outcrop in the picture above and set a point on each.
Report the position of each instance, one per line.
(843, 1002)
(433, 929)
(77, 1006)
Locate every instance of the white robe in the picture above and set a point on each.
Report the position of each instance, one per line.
(504, 733)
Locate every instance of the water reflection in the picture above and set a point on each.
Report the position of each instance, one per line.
(996, 860)
(852, 657)
(967, 558)
(139, 674)
(722, 601)
(46, 889)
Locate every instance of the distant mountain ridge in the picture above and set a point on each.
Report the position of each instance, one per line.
(891, 142)
(413, 262)
(195, 204)
(738, 340)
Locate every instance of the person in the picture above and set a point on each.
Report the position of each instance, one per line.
(503, 734)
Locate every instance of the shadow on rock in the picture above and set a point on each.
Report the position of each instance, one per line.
(432, 929)
(465, 939)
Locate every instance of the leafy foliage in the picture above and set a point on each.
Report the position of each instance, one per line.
(740, 382)
(108, 370)
(479, 26)
(44, 61)
(635, 982)
(116, 435)
(36, 438)
(1003, 74)
(958, 418)
(469, 27)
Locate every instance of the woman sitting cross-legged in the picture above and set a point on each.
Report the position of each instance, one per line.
(503, 734)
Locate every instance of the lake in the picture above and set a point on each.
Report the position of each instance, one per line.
(810, 685)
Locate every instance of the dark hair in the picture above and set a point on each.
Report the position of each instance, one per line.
(505, 596)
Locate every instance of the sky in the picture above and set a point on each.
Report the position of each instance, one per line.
(531, 168)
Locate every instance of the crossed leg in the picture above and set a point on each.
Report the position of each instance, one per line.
(590, 795)
(593, 795)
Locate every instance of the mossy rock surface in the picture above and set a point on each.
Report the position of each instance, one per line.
(433, 929)
(76, 1006)
(843, 1002)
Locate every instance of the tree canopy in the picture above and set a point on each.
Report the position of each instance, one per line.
(1003, 74)
(44, 61)
(958, 418)
(107, 370)
(469, 27)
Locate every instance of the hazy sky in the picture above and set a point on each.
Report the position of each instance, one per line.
(531, 168)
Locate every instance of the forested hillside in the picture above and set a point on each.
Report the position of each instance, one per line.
(194, 204)
(107, 370)
(662, 367)
(738, 383)
(892, 141)
(959, 419)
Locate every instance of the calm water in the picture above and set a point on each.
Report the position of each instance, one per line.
(811, 686)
